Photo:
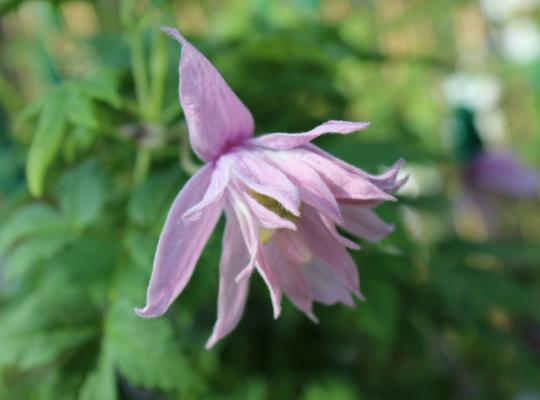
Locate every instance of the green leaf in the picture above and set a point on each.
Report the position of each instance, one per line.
(31, 220)
(81, 111)
(33, 251)
(31, 349)
(151, 199)
(46, 141)
(102, 85)
(82, 194)
(100, 384)
(151, 357)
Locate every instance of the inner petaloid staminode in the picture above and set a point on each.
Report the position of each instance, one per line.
(274, 206)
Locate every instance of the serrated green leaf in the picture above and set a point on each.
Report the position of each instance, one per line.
(82, 194)
(46, 141)
(27, 350)
(32, 220)
(152, 357)
(34, 251)
(101, 383)
(80, 110)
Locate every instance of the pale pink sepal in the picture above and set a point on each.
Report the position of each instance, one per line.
(287, 141)
(363, 222)
(232, 295)
(216, 118)
(290, 277)
(180, 245)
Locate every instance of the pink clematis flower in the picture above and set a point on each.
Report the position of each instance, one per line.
(282, 198)
(492, 176)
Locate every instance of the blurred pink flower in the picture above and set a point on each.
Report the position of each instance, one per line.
(491, 175)
(282, 198)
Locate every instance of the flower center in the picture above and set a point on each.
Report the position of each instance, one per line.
(273, 205)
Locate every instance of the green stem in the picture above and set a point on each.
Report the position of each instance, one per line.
(186, 162)
(159, 73)
(139, 71)
(142, 165)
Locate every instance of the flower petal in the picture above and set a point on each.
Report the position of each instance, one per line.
(290, 277)
(325, 287)
(180, 245)
(312, 188)
(326, 248)
(286, 141)
(249, 230)
(386, 181)
(364, 223)
(262, 177)
(232, 295)
(341, 239)
(269, 277)
(344, 184)
(218, 183)
(216, 118)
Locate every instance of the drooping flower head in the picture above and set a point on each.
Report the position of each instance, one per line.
(489, 176)
(282, 198)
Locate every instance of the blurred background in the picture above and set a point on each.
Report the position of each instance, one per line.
(93, 149)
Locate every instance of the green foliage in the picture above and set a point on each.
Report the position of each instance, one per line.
(448, 314)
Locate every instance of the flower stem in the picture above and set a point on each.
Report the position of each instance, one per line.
(142, 165)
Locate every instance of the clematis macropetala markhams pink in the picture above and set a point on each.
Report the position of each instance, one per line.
(282, 198)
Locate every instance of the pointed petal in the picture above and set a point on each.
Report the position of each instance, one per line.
(248, 228)
(341, 239)
(364, 223)
(286, 141)
(386, 181)
(180, 245)
(216, 118)
(232, 295)
(325, 287)
(262, 177)
(290, 277)
(326, 248)
(269, 277)
(344, 184)
(214, 193)
(313, 190)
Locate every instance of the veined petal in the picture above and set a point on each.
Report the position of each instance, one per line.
(286, 141)
(249, 230)
(341, 239)
(290, 277)
(292, 247)
(313, 190)
(180, 245)
(216, 118)
(262, 177)
(344, 184)
(363, 222)
(326, 248)
(218, 183)
(325, 287)
(270, 278)
(232, 295)
(386, 181)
